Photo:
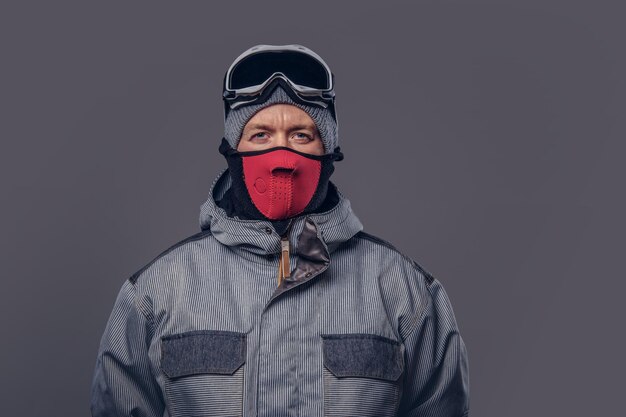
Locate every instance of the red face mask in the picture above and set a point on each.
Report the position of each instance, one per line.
(281, 182)
(277, 183)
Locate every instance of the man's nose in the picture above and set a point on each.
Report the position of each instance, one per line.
(282, 139)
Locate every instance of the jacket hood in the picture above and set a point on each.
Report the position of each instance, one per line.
(333, 227)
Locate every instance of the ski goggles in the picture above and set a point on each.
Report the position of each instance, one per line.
(301, 72)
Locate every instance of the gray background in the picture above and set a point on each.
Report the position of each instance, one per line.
(485, 139)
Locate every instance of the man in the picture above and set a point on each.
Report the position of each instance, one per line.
(282, 305)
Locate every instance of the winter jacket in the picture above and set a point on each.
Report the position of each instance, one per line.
(357, 329)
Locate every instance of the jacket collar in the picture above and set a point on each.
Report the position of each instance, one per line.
(333, 227)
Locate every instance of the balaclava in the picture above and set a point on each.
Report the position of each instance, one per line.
(277, 184)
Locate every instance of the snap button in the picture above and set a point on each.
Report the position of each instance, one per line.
(268, 230)
(308, 274)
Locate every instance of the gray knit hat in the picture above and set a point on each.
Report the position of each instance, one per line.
(326, 124)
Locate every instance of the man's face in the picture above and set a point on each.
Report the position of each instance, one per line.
(281, 125)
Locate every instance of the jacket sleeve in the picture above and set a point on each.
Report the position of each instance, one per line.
(436, 380)
(123, 383)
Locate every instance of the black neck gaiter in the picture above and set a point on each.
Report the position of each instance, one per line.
(237, 201)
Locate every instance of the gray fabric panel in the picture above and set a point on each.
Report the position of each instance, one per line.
(204, 351)
(363, 355)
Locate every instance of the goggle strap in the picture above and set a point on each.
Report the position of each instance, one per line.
(267, 92)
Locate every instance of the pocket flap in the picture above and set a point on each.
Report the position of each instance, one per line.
(203, 352)
(364, 355)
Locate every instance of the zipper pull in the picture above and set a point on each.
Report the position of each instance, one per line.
(283, 263)
(284, 269)
(284, 257)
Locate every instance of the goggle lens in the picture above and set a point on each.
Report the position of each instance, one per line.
(300, 68)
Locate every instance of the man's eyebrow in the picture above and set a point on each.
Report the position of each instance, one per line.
(304, 126)
(260, 126)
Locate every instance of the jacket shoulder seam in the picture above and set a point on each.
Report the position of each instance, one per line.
(197, 236)
(147, 315)
(368, 236)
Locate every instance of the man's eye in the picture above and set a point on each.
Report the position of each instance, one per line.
(256, 135)
(303, 136)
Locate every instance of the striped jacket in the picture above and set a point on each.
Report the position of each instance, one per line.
(357, 329)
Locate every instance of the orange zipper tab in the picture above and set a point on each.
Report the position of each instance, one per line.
(284, 259)
(284, 269)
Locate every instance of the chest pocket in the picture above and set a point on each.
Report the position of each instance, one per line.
(361, 375)
(205, 373)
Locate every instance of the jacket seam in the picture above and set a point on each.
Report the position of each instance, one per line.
(419, 318)
(152, 329)
(429, 278)
(145, 315)
(197, 236)
(422, 313)
(368, 236)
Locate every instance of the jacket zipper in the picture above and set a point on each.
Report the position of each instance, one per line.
(284, 268)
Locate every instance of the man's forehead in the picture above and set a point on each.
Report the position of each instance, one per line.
(279, 114)
(269, 126)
